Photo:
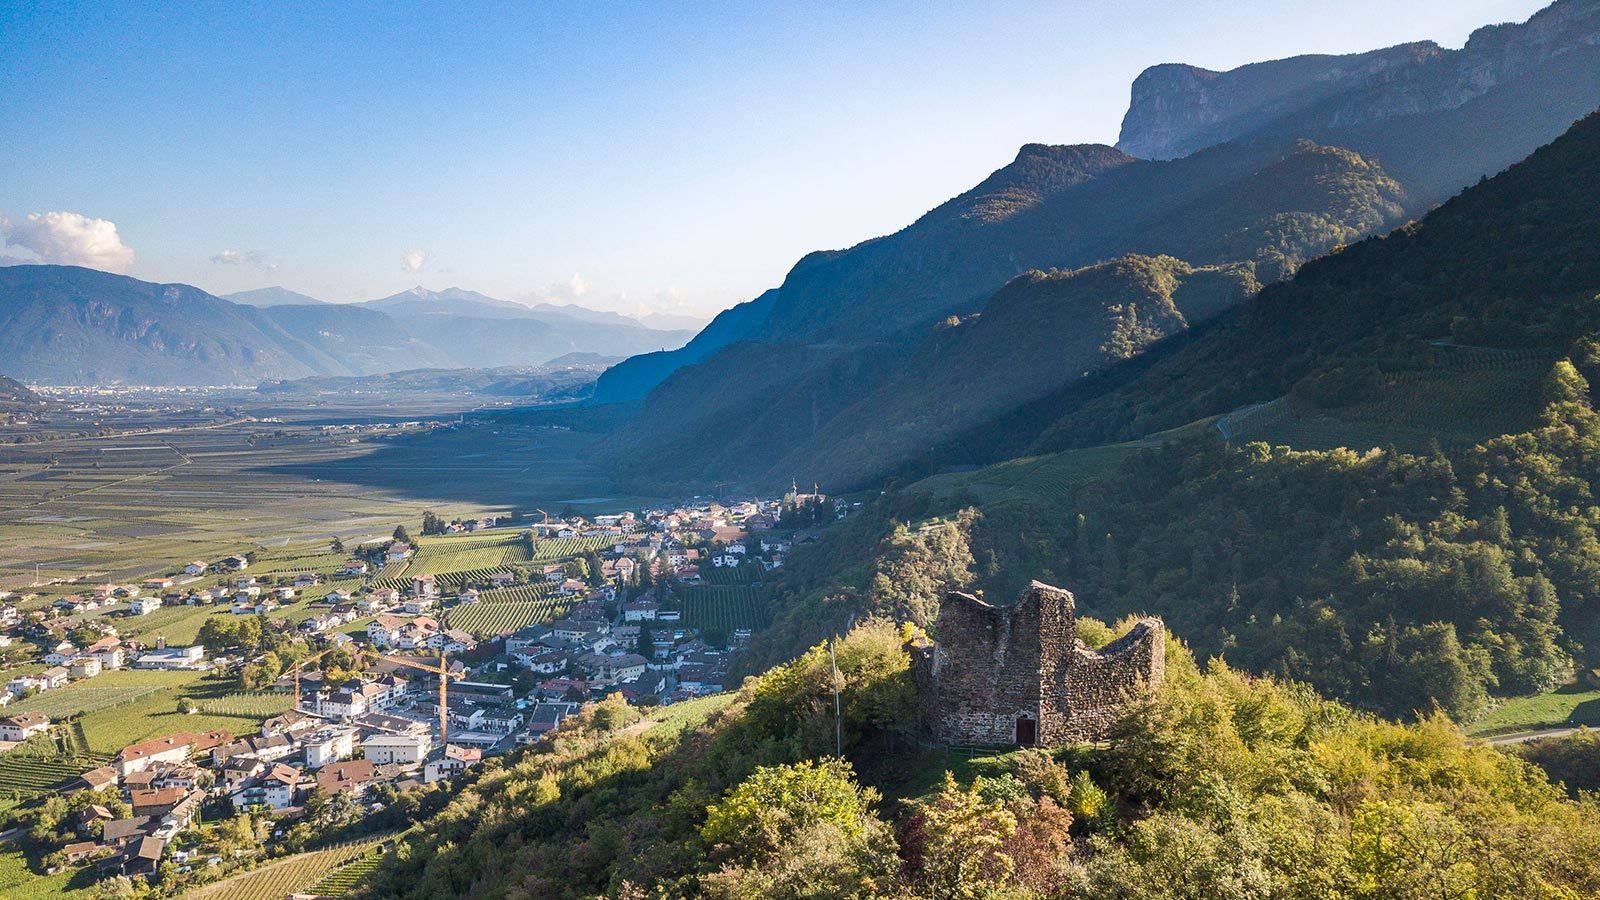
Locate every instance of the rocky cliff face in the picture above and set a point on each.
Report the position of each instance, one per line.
(1178, 109)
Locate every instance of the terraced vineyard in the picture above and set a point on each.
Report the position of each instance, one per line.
(82, 697)
(507, 609)
(744, 574)
(247, 705)
(38, 767)
(550, 549)
(348, 877)
(445, 580)
(286, 876)
(438, 556)
(725, 607)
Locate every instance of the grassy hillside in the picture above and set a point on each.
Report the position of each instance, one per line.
(1219, 785)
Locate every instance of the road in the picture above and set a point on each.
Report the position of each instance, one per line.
(1522, 736)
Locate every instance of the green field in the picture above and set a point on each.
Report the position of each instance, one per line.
(507, 609)
(19, 882)
(120, 507)
(1571, 705)
(82, 697)
(722, 606)
(128, 706)
(39, 766)
(285, 876)
(247, 705)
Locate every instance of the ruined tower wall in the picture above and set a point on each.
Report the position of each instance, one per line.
(994, 665)
(986, 672)
(1102, 682)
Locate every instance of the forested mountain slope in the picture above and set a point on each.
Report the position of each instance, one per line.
(1509, 263)
(1269, 208)
(1395, 580)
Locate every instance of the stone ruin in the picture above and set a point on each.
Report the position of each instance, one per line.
(1018, 675)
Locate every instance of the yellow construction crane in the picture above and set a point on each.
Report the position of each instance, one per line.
(414, 662)
(444, 674)
(302, 664)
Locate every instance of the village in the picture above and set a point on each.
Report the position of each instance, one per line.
(392, 668)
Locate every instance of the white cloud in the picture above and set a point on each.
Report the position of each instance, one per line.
(70, 239)
(247, 258)
(413, 260)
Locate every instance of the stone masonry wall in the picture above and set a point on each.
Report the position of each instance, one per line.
(995, 665)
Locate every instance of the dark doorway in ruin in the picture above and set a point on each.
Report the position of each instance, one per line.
(1027, 732)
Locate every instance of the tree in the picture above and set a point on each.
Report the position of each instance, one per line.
(401, 535)
(260, 675)
(187, 706)
(337, 546)
(219, 633)
(955, 842)
(760, 815)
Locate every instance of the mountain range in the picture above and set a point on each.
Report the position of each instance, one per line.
(69, 325)
(910, 352)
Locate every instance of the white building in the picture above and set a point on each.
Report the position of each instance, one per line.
(400, 749)
(173, 658)
(329, 745)
(24, 726)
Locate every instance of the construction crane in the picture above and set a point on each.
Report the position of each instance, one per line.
(414, 662)
(444, 684)
(302, 664)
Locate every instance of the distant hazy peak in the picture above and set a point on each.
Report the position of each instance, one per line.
(272, 296)
(1178, 109)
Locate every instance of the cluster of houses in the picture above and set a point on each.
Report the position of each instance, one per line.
(166, 781)
(68, 663)
(382, 726)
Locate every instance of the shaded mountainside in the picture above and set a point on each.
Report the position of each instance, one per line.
(1498, 98)
(68, 325)
(1509, 263)
(636, 376)
(1266, 208)
(1039, 332)
(1435, 121)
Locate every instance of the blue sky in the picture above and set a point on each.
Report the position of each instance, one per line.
(631, 156)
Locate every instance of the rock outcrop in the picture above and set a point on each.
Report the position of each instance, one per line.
(1179, 109)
